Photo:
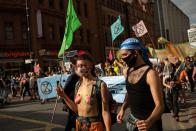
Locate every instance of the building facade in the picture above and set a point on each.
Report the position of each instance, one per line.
(34, 29)
(174, 22)
(31, 29)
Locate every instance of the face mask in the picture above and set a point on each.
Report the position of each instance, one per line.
(130, 60)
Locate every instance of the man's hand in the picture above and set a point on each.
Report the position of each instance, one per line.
(60, 92)
(120, 116)
(143, 125)
(171, 83)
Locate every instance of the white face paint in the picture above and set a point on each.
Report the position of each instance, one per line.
(129, 1)
(144, 1)
(83, 68)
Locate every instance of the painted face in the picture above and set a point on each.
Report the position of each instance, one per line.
(83, 68)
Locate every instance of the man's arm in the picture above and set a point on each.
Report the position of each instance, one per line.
(105, 107)
(125, 103)
(66, 99)
(165, 83)
(194, 73)
(157, 95)
(156, 90)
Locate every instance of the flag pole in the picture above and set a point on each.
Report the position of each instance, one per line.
(113, 49)
(151, 40)
(58, 97)
(153, 45)
(54, 109)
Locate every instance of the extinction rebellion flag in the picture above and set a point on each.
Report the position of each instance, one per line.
(140, 29)
(72, 24)
(116, 28)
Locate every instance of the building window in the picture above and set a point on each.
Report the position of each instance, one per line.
(88, 36)
(106, 39)
(167, 34)
(78, 7)
(81, 36)
(61, 4)
(9, 31)
(24, 31)
(51, 32)
(51, 3)
(103, 20)
(61, 31)
(41, 1)
(108, 20)
(85, 10)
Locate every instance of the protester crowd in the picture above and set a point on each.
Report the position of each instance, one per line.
(176, 78)
(22, 84)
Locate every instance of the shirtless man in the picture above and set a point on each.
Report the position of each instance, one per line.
(144, 92)
(86, 103)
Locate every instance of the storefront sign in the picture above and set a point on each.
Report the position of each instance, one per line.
(44, 52)
(15, 54)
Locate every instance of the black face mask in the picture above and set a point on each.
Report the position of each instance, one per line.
(130, 60)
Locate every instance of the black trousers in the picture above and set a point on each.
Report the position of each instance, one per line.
(24, 90)
(172, 100)
(71, 121)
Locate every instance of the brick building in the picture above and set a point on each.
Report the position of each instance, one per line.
(47, 22)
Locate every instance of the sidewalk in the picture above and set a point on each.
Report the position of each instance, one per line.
(191, 103)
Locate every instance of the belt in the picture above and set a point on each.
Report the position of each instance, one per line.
(88, 120)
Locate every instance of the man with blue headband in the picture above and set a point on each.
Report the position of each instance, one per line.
(144, 91)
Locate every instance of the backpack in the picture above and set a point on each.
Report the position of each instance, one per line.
(112, 103)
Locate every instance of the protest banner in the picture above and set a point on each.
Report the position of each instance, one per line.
(192, 37)
(47, 86)
(116, 85)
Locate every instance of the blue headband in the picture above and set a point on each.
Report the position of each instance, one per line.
(135, 44)
(132, 43)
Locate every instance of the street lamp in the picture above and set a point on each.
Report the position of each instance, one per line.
(28, 32)
(28, 28)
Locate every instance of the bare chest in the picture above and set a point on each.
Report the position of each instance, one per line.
(87, 105)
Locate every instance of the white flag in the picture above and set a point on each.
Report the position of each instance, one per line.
(140, 29)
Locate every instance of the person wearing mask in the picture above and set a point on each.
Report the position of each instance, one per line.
(144, 91)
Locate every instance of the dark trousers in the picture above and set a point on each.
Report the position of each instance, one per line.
(172, 100)
(24, 90)
(192, 84)
(71, 121)
(157, 126)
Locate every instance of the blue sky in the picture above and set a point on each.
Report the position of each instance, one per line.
(188, 7)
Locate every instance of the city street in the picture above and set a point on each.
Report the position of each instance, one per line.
(33, 116)
(86, 46)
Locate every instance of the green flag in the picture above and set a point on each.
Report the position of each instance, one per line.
(72, 24)
(116, 28)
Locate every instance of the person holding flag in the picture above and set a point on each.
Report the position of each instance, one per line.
(90, 98)
(72, 24)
